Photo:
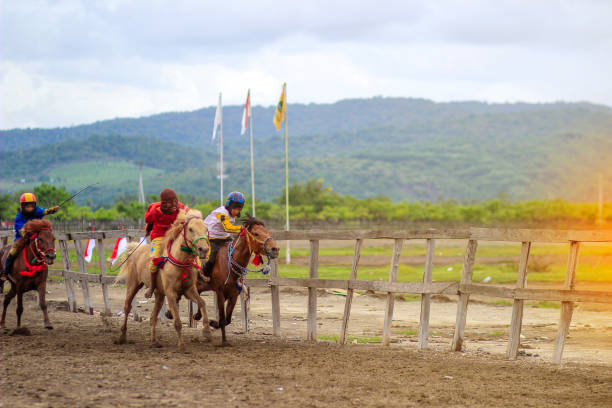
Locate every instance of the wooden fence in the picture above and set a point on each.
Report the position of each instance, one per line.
(426, 288)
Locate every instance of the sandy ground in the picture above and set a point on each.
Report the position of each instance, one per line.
(78, 365)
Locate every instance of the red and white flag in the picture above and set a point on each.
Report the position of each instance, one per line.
(246, 114)
(120, 247)
(91, 244)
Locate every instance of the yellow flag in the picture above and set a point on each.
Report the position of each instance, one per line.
(281, 109)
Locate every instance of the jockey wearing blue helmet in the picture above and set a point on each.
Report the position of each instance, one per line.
(235, 199)
(220, 223)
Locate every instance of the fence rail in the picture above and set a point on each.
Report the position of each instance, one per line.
(463, 289)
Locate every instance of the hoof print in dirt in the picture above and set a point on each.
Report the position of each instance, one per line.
(21, 331)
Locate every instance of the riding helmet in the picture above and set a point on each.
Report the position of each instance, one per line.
(235, 199)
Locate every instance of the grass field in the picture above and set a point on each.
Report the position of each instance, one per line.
(76, 175)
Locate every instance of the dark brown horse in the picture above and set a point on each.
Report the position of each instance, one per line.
(227, 278)
(36, 250)
(226, 281)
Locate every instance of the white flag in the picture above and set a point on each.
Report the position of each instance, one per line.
(91, 244)
(246, 114)
(120, 247)
(218, 118)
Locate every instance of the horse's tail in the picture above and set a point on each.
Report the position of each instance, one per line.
(123, 261)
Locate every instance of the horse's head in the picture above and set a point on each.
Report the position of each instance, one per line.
(196, 234)
(259, 238)
(41, 234)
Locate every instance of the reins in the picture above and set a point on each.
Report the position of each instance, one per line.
(190, 250)
(39, 262)
(234, 266)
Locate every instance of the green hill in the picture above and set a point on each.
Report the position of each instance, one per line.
(407, 149)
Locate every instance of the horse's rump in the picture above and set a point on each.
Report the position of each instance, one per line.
(134, 251)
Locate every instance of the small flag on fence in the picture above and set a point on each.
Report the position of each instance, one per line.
(91, 244)
(246, 114)
(120, 247)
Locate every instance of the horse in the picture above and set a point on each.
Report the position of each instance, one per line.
(29, 271)
(186, 240)
(227, 281)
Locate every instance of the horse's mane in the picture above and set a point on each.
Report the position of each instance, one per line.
(249, 222)
(35, 226)
(176, 227)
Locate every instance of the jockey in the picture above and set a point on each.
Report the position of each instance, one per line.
(28, 210)
(220, 226)
(159, 217)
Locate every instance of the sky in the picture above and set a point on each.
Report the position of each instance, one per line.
(69, 62)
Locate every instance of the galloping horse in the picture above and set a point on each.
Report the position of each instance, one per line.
(36, 250)
(228, 276)
(186, 240)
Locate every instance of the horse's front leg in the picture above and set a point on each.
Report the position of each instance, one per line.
(42, 288)
(159, 302)
(178, 325)
(192, 294)
(19, 307)
(7, 299)
(230, 307)
(221, 323)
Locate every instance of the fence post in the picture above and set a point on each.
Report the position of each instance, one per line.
(244, 306)
(462, 304)
(83, 269)
(397, 250)
(312, 291)
(349, 291)
(567, 308)
(274, 291)
(426, 297)
(514, 339)
(102, 255)
(67, 278)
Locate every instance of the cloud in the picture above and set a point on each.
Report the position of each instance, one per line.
(66, 62)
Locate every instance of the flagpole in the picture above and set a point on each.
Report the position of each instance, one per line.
(286, 178)
(221, 147)
(250, 119)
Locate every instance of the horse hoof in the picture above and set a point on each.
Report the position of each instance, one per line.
(156, 345)
(225, 344)
(214, 324)
(168, 314)
(121, 340)
(197, 316)
(207, 335)
(48, 326)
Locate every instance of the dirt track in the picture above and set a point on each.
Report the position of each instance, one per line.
(77, 364)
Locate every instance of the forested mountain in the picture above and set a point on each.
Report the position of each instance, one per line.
(407, 149)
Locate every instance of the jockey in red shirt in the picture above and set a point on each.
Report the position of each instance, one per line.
(160, 216)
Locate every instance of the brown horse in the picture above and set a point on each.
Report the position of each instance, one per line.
(36, 250)
(186, 240)
(227, 281)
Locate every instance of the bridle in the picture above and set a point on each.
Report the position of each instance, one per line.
(191, 249)
(39, 254)
(249, 236)
(187, 248)
(242, 271)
